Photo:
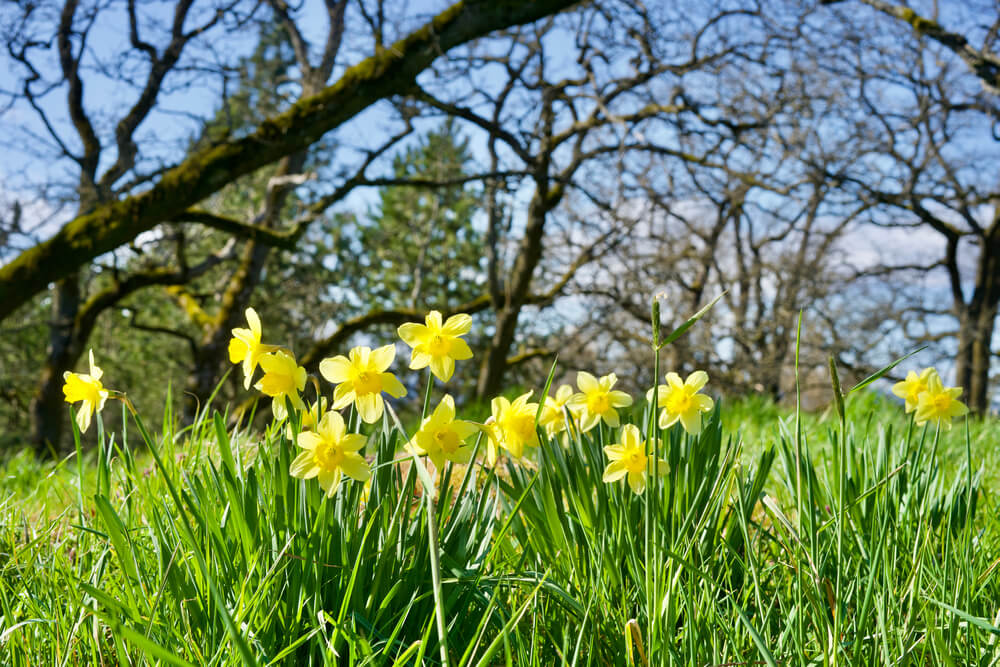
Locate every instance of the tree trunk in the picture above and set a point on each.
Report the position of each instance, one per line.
(48, 412)
(212, 352)
(495, 362)
(979, 382)
(972, 362)
(529, 254)
(976, 322)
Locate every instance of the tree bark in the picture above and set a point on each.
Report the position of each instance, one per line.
(529, 254)
(976, 323)
(211, 354)
(47, 407)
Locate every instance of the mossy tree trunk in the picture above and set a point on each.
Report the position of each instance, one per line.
(518, 286)
(976, 324)
(48, 409)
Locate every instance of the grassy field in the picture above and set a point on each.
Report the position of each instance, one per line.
(868, 542)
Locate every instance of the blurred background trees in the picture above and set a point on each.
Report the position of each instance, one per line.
(347, 165)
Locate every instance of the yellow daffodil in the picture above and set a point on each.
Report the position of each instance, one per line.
(283, 377)
(361, 379)
(442, 437)
(310, 417)
(597, 400)
(682, 402)
(511, 426)
(246, 347)
(939, 403)
(437, 344)
(914, 385)
(330, 452)
(629, 457)
(85, 387)
(553, 413)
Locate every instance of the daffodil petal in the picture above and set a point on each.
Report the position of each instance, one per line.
(637, 480)
(369, 407)
(392, 386)
(586, 382)
(420, 360)
(83, 415)
(335, 369)
(443, 368)
(413, 334)
(304, 466)
(589, 421)
(691, 421)
(254, 321)
(457, 325)
(329, 480)
(614, 471)
(697, 380)
(382, 357)
(353, 442)
(343, 396)
(619, 399)
(332, 427)
(674, 380)
(355, 467)
(460, 350)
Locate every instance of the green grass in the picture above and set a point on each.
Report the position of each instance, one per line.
(758, 547)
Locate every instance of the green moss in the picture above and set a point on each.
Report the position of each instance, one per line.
(919, 23)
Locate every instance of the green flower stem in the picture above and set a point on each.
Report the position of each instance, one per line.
(654, 433)
(653, 490)
(427, 395)
(432, 538)
(353, 420)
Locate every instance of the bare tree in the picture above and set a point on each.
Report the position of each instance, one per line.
(925, 119)
(570, 128)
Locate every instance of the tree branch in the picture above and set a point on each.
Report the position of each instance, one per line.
(208, 170)
(985, 65)
(286, 240)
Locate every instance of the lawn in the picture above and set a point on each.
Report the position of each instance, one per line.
(198, 547)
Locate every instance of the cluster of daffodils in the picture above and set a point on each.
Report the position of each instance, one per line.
(929, 399)
(361, 379)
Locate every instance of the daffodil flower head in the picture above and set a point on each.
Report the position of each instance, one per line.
(597, 400)
(914, 385)
(681, 401)
(246, 348)
(939, 404)
(283, 378)
(330, 452)
(554, 411)
(629, 458)
(511, 426)
(442, 437)
(437, 344)
(361, 378)
(85, 387)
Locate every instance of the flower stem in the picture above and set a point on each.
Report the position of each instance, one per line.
(427, 395)
(433, 546)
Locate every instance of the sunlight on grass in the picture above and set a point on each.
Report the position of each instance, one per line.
(854, 538)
